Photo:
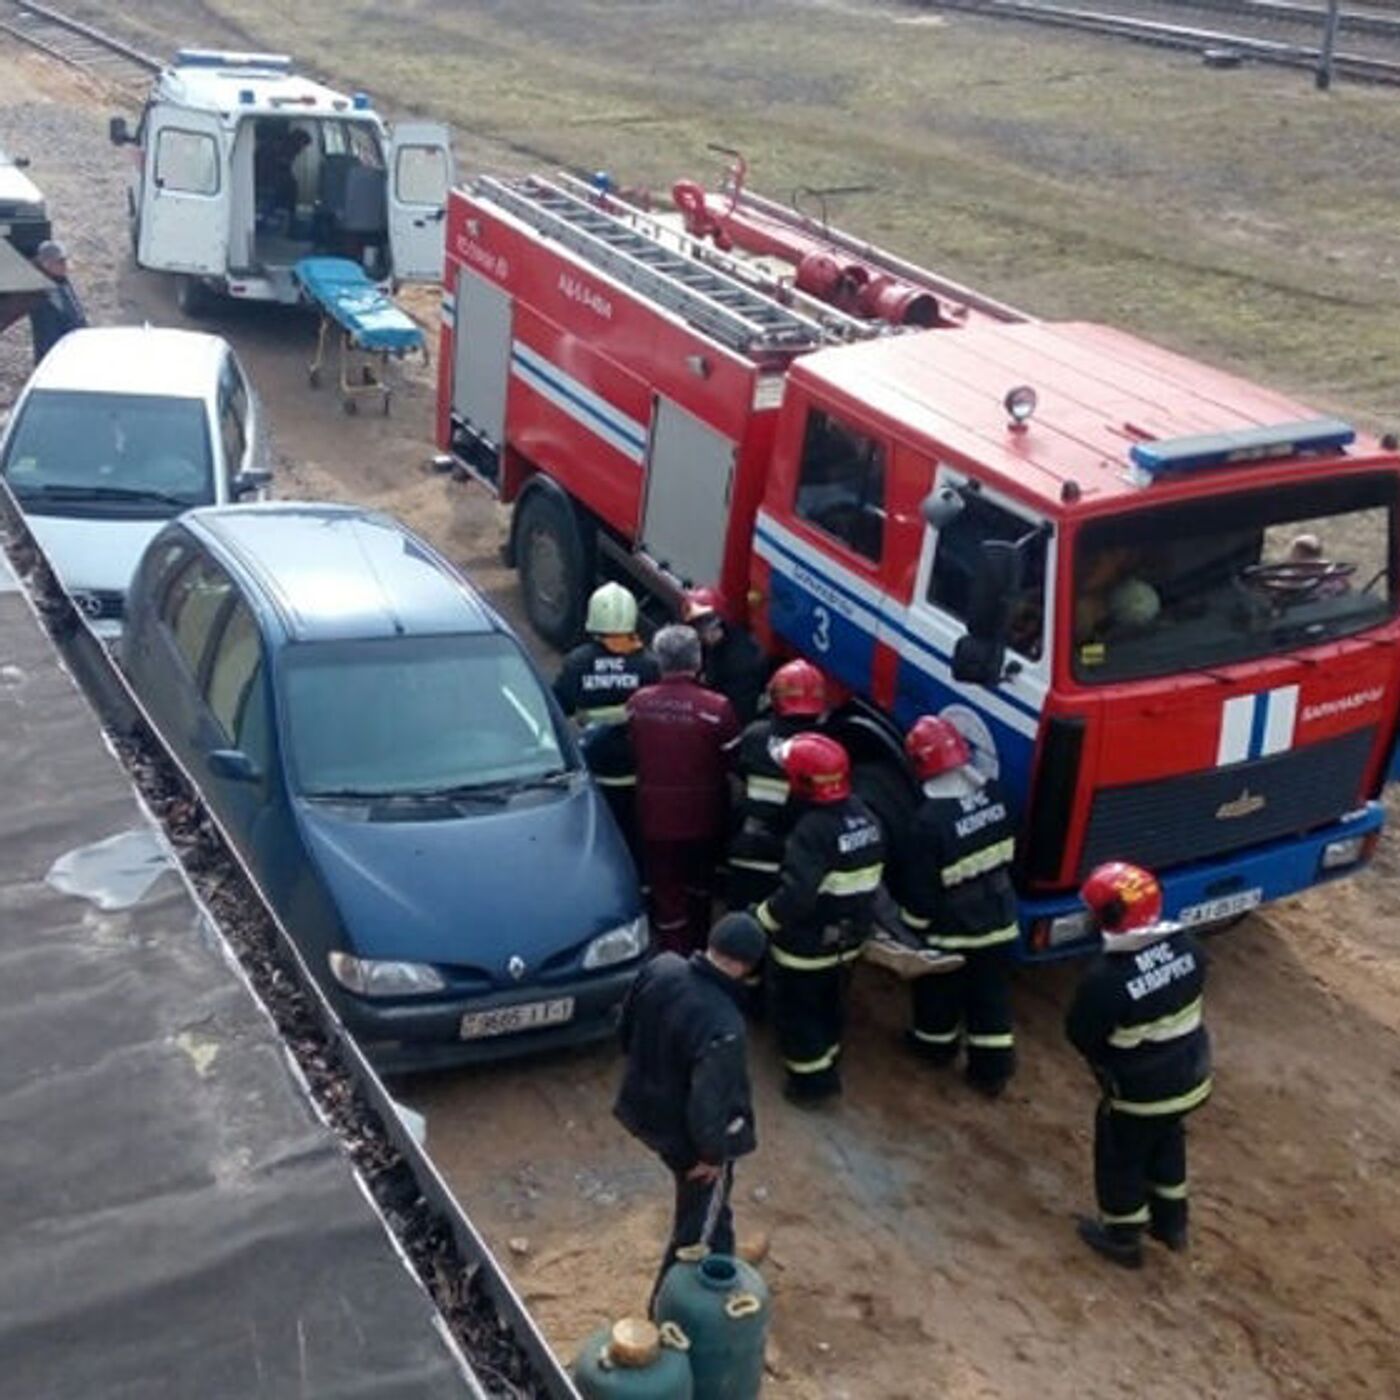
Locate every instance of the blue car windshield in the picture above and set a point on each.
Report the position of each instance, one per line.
(415, 715)
(89, 454)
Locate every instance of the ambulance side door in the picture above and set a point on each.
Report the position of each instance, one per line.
(420, 176)
(185, 193)
(1001, 722)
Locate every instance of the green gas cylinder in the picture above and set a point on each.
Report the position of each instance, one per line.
(634, 1360)
(722, 1305)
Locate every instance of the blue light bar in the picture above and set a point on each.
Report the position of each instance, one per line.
(1281, 440)
(218, 58)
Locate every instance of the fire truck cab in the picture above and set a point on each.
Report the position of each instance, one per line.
(1159, 601)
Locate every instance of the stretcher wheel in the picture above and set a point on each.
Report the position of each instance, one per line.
(313, 378)
(350, 406)
(386, 405)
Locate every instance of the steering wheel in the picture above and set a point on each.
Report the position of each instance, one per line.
(1291, 581)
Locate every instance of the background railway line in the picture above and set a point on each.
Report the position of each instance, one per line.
(1277, 32)
(78, 44)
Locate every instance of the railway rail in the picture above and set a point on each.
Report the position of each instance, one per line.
(506, 1355)
(1368, 67)
(78, 44)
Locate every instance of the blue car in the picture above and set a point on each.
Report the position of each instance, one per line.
(396, 775)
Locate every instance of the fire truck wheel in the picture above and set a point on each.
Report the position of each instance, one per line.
(552, 560)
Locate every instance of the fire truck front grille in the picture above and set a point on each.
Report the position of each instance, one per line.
(1206, 814)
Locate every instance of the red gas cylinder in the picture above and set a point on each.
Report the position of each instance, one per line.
(885, 298)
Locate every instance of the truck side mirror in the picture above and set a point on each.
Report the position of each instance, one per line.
(118, 133)
(980, 657)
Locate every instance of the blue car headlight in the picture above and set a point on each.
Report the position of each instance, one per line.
(380, 977)
(618, 944)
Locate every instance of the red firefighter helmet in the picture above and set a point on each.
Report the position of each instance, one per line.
(1123, 898)
(797, 689)
(935, 745)
(818, 768)
(701, 604)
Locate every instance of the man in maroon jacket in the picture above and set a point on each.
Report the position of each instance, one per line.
(679, 730)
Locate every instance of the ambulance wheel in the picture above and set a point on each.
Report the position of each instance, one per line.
(552, 562)
(195, 299)
(349, 405)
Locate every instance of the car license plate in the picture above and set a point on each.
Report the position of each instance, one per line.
(507, 1020)
(1227, 907)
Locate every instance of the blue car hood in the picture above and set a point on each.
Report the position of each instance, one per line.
(532, 880)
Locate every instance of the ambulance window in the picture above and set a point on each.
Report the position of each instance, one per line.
(420, 175)
(187, 162)
(955, 562)
(841, 488)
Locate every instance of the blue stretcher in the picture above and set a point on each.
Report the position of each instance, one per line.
(371, 327)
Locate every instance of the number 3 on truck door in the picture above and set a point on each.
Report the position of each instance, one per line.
(821, 629)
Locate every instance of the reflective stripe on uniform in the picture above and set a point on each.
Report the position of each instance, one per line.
(768, 867)
(604, 714)
(822, 1062)
(843, 882)
(978, 863)
(757, 788)
(913, 920)
(1168, 1193)
(797, 963)
(938, 1037)
(1140, 1216)
(1169, 1027)
(1182, 1103)
(629, 781)
(975, 940)
(770, 924)
(1003, 1041)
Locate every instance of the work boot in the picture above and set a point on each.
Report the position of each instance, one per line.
(941, 1056)
(1119, 1244)
(1173, 1236)
(988, 1088)
(812, 1091)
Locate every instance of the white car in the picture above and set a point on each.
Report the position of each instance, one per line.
(118, 430)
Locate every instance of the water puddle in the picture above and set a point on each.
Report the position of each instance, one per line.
(115, 873)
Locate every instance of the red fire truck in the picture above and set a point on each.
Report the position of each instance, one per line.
(1159, 600)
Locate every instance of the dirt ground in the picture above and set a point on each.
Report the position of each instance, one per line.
(922, 1240)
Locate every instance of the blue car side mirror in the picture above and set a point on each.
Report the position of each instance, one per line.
(233, 764)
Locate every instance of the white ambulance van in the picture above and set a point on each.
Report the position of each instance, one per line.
(239, 167)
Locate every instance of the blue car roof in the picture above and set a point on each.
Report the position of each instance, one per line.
(340, 573)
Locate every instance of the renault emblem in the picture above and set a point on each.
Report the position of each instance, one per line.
(1245, 805)
(516, 966)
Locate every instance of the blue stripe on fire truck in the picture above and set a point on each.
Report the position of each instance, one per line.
(586, 408)
(1253, 726)
(835, 617)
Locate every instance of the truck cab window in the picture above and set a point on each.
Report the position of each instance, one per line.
(955, 563)
(841, 485)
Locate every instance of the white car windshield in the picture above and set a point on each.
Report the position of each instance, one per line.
(416, 715)
(77, 453)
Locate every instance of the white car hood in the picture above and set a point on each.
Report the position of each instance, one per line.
(93, 554)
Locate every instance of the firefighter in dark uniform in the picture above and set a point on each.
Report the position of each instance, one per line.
(954, 884)
(819, 917)
(685, 1091)
(734, 662)
(796, 701)
(1136, 1019)
(597, 679)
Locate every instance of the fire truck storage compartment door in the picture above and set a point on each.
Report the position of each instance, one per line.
(481, 355)
(689, 475)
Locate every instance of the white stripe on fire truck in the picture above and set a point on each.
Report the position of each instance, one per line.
(586, 408)
(862, 604)
(1253, 726)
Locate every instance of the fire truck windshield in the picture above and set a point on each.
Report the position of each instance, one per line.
(1224, 579)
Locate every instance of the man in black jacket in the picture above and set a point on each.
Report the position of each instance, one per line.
(1136, 1019)
(734, 663)
(685, 1090)
(60, 311)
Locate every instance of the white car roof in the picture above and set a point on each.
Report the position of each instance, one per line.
(133, 360)
(244, 87)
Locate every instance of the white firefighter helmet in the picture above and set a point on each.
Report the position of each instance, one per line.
(1134, 603)
(612, 611)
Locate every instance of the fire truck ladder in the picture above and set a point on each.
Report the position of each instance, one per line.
(735, 315)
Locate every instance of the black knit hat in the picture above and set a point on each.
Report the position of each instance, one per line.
(741, 937)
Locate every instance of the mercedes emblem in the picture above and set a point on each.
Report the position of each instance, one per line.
(90, 603)
(516, 966)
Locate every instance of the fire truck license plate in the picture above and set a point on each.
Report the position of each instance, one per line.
(1213, 910)
(505, 1020)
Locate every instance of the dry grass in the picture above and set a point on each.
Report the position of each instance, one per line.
(1239, 216)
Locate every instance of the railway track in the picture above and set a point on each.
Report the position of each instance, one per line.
(78, 44)
(1156, 23)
